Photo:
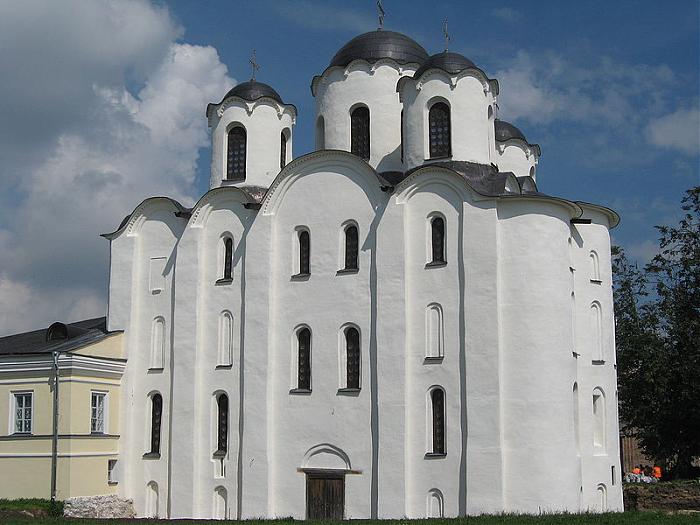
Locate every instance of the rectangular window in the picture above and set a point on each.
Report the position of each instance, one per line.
(23, 413)
(112, 471)
(98, 407)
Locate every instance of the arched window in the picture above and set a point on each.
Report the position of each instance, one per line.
(304, 359)
(156, 416)
(359, 132)
(320, 134)
(236, 160)
(596, 321)
(228, 258)
(225, 354)
(599, 419)
(304, 252)
(435, 504)
(220, 503)
(352, 349)
(283, 150)
(437, 237)
(440, 132)
(351, 247)
(435, 339)
(437, 406)
(152, 502)
(157, 343)
(221, 424)
(602, 497)
(595, 267)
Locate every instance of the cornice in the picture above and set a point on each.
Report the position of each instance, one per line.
(75, 364)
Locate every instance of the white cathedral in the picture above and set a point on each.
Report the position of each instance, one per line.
(398, 324)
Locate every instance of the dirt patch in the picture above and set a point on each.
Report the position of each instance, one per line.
(663, 496)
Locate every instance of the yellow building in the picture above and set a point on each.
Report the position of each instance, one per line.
(90, 368)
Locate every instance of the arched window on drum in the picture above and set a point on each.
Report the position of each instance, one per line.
(359, 132)
(236, 154)
(440, 131)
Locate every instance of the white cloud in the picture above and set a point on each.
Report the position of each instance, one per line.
(105, 150)
(547, 87)
(678, 131)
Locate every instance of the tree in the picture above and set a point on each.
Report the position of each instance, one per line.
(658, 341)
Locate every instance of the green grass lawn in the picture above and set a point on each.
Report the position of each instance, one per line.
(628, 518)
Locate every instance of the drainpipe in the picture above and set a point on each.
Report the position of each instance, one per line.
(54, 440)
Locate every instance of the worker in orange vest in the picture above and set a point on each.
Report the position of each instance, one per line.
(657, 472)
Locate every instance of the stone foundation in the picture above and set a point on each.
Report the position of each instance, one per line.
(662, 496)
(111, 506)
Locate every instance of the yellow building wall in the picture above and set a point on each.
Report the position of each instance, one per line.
(25, 461)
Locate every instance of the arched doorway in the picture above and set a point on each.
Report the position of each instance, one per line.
(325, 467)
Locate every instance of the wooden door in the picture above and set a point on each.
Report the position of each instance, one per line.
(325, 497)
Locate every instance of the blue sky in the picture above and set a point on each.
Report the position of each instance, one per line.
(102, 105)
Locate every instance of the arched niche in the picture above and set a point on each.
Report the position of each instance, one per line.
(326, 457)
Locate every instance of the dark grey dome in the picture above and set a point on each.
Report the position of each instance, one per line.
(376, 45)
(450, 62)
(253, 90)
(506, 131)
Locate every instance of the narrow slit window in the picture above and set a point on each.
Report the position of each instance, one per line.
(359, 132)
(228, 258)
(236, 159)
(402, 135)
(599, 419)
(437, 230)
(351, 247)
(595, 267)
(352, 345)
(157, 343)
(156, 417)
(304, 253)
(222, 424)
(304, 359)
(440, 132)
(437, 397)
(283, 150)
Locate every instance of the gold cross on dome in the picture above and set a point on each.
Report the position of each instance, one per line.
(447, 35)
(253, 65)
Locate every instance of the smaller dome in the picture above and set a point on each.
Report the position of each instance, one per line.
(253, 90)
(450, 62)
(506, 131)
(379, 44)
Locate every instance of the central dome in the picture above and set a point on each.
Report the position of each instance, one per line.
(376, 45)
